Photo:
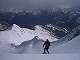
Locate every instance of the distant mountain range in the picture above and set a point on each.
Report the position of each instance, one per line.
(67, 18)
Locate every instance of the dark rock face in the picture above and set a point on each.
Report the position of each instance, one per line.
(4, 26)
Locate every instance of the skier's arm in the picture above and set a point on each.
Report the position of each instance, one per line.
(43, 44)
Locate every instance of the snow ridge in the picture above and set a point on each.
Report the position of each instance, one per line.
(18, 35)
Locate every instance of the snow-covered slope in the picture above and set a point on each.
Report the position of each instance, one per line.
(72, 46)
(18, 35)
(25, 41)
(34, 46)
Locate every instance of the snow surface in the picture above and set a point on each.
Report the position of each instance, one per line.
(40, 57)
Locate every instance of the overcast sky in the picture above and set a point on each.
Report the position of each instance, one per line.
(36, 3)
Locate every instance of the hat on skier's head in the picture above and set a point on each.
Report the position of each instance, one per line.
(47, 40)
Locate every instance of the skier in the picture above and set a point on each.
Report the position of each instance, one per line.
(46, 46)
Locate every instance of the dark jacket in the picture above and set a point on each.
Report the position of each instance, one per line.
(46, 44)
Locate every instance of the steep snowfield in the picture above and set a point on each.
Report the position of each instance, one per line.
(18, 35)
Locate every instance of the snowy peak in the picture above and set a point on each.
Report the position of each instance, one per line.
(17, 35)
(25, 34)
(21, 34)
(15, 27)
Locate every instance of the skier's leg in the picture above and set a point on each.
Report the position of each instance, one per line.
(44, 51)
(47, 51)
